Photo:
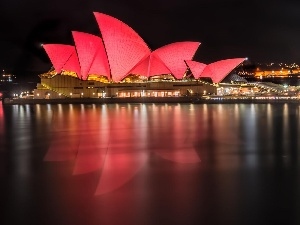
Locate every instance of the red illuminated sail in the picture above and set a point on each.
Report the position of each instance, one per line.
(124, 47)
(100, 64)
(59, 54)
(220, 69)
(150, 66)
(142, 68)
(195, 67)
(174, 54)
(73, 64)
(91, 54)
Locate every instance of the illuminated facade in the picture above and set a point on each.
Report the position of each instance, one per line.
(72, 87)
(120, 64)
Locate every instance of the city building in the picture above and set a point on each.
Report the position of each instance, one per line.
(279, 73)
(7, 77)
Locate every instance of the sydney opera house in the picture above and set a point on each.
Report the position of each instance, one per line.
(120, 64)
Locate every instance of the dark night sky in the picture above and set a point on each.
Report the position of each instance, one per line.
(264, 31)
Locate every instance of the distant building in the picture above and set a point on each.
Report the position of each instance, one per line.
(6, 77)
(280, 73)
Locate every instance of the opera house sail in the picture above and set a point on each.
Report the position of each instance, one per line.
(119, 63)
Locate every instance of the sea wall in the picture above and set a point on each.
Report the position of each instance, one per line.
(194, 100)
(100, 100)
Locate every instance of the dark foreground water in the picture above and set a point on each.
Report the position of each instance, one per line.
(150, 164)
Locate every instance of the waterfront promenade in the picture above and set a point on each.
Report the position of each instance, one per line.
(185, 99)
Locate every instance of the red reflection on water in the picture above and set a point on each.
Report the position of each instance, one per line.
(63, 147)
(94, 138)
(174, 134)
(118, 140)
(1, 112)
(65, 137)
(90, 154)
(181, 155)
(77, 136)
(118, 170)
(127, 150)
(1, 125)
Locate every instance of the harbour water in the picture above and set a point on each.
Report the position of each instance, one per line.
(150, 164)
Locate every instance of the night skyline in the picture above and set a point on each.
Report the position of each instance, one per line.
(262, 31)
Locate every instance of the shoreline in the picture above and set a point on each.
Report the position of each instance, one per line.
(174, 100)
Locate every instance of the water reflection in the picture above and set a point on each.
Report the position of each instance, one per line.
(2, 139)
(150, 163)
(95, 139)
(2, 125)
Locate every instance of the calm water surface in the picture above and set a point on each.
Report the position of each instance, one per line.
(150, 164)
